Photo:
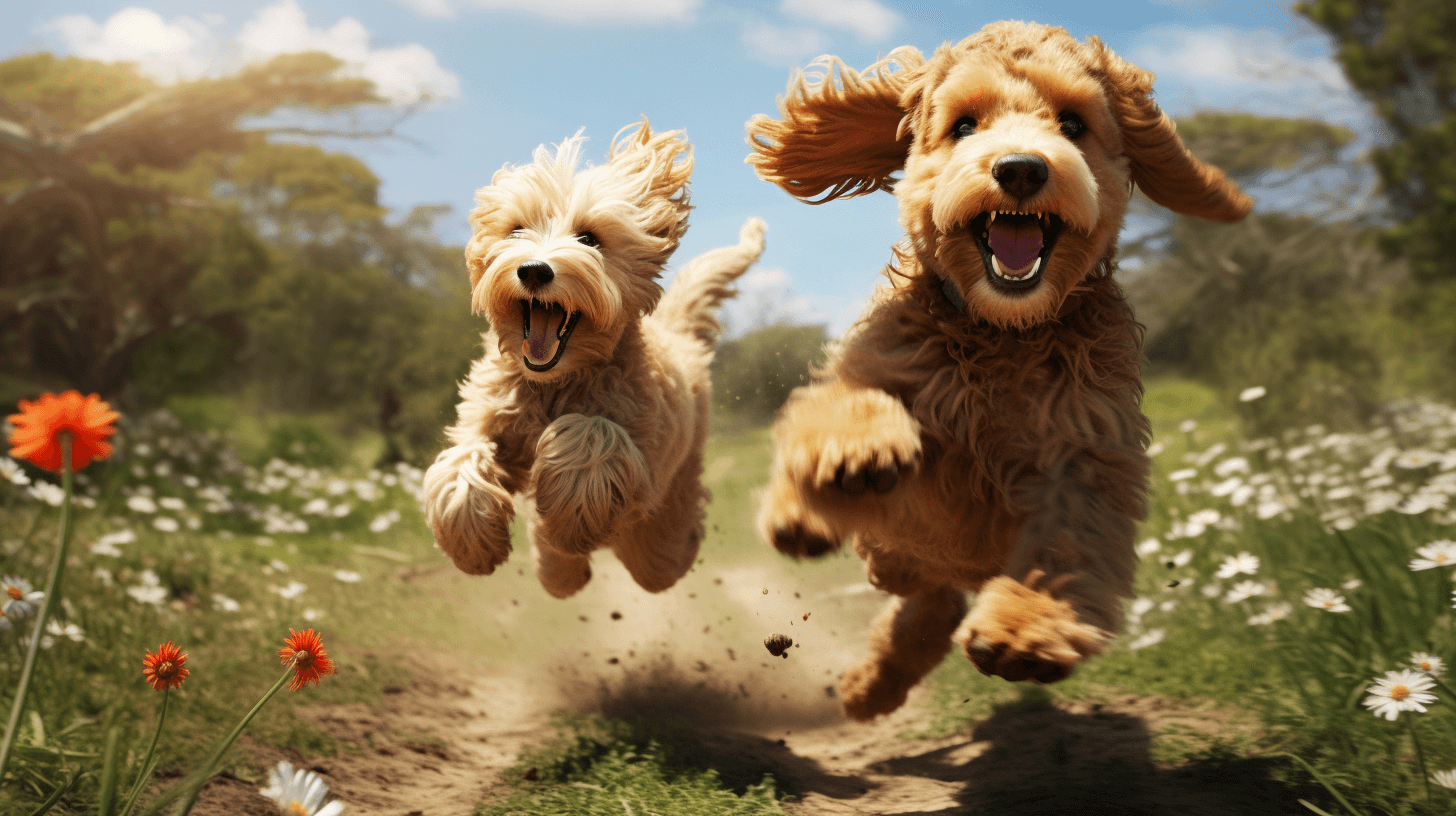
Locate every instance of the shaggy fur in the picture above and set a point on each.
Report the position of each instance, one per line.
(592, 398)
(976, 431)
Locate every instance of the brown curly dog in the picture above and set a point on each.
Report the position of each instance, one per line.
(978, 429)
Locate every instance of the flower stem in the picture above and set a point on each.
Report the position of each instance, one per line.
(53, 587)
(192, 786)
(144, 770)
(1420, 755)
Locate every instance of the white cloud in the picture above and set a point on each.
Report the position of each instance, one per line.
(165, 51)
(430, 8)
(765, 297)
(592, 11)
(188, 49)
(868, 19)
(402, 74)
(779, 46)
(1260, 70)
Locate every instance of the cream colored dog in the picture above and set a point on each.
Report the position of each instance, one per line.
(592, 397)
(978, 430)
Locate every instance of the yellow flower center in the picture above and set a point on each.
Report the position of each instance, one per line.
(1329, 604)
(302, 658)
(297, 807)
(1442, 558)
(1426, 665)
(164, 668)
(14, 592)
(1398, 693)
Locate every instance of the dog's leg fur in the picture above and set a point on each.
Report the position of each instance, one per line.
(468, 506)
(833, 442)
(908, 639)
(588, 474)
(1059, 598)
(663, 547)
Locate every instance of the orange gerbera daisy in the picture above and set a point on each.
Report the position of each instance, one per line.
(39, 425)
(166, 668)
(304, 651)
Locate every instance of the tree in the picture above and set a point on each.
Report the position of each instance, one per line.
(105, 221)
(1401, 55)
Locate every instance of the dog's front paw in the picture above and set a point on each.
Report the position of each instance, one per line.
(853, 440)
(588, 472)
(468, 512)
(1021, 633)
(871, 689)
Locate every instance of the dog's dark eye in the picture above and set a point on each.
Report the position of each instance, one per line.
(963, 127)
(1072, 124)
(588, 239)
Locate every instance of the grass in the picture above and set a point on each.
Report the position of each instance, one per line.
(596, 765)
(1308, 503)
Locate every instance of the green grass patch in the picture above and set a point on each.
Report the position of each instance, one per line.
(597, 765)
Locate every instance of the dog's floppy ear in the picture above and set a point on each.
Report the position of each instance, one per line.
(1165, 170)
(657, 167)
(840, 131)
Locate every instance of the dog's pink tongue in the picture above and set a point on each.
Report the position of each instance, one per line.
(545, 326)
(1015, 245)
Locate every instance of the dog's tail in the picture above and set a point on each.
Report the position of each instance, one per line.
(690, 305)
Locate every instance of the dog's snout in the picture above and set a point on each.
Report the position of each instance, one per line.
(535, 274)
(1020, 174)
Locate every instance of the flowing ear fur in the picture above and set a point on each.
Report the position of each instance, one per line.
(658, 167)
(840, 131)
(1165, 170)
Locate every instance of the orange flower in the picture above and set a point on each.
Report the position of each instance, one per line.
(165, 669)
(304, 651)
(39, 425)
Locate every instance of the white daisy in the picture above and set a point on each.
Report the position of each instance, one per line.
(293, 590)
(18, 598)
(1187, 425)
(1244, 590)
(141, 504)
(1241, 564)
(1446, 779)
(348, 576)
(1147, 547)
(1182, 475)
(1148, 638)
(1252, 393)
(223, 603)
(1436, 554)
(166, 524)
(299, 792)
(10, 471)
(1326, 599)
(1428, 663)
(150, 590)
(1398, 691)
(51, 494)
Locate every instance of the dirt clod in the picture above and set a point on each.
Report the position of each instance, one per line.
(778, 645)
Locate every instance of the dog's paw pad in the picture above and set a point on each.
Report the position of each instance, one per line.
(1000, 660)
(872, 479)
(798, 542)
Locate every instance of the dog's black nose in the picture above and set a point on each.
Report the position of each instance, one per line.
(535, 274)
(1020, 174)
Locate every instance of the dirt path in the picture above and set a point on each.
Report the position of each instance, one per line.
(694, 655)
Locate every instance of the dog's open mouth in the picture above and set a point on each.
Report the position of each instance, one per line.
(547, 327)
(1015, 246)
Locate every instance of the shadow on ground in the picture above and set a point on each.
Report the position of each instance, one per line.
(1027, 759)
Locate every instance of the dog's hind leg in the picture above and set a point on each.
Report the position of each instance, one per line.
(908, 639)
(663, 547)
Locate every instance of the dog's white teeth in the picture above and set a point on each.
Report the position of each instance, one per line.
(992, 219)
(1015, 274)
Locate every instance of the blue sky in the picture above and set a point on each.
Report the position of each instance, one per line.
(506, 75)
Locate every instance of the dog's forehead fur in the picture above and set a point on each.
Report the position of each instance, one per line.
(988, 77)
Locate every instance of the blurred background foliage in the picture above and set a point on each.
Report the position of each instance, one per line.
(185, 241)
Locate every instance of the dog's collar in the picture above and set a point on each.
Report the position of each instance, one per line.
(952, 294)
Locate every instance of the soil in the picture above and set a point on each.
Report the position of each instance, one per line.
(695, 656)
